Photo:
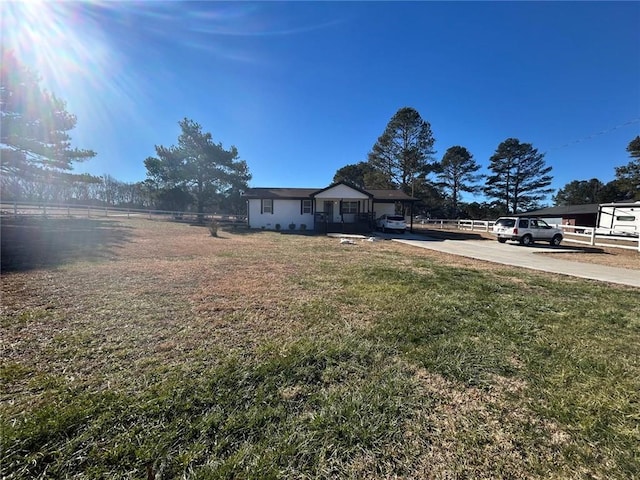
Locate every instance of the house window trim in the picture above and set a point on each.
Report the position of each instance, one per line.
(351, 204)
(263, 206)
(302, 206)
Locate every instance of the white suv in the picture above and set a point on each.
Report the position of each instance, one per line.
(391, 222)
(526, 230)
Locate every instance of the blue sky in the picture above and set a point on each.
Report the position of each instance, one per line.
(302, 89)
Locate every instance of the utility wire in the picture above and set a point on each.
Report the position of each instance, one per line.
(594, 135)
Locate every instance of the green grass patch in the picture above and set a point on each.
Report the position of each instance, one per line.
(309, 409)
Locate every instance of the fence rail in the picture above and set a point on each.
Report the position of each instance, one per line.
(73, 210)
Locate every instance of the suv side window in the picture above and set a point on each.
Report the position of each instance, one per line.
(533, 224)
(524, 223)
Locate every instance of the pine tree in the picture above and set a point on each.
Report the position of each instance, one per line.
(457, 174)
(197, 166)
(34, 143)
(628, 176)
(404, 151)
(520, 177)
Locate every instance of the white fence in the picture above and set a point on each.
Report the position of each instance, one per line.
(601, 237)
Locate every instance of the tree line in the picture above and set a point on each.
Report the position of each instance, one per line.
(196, 174)
(518, 178)
(36, 158)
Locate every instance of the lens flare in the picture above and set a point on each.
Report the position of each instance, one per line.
(64, 44)
(120, 65)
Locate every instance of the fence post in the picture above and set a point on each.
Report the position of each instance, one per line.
(15, 208)
(593, 237)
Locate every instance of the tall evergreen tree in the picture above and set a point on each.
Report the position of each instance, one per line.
(404, 151)
(363, 175)
(580, 192)
(628, 176)
(457, 174)
(34, 143)
(520, 178)
(198, 166)
(634, 147)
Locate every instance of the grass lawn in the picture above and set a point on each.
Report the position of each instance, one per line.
(140, 349)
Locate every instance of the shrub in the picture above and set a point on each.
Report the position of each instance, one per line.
(292, 226)
(303, 227)
(278, 227)
(213, 228)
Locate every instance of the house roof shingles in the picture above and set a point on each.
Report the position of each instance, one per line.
(281, 193)
(304, 193)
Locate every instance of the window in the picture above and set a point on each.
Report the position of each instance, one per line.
(506, 222)
(306, 206)
(267, 205)
(349, 207)
(625, 218)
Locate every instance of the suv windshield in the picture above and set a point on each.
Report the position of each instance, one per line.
(395, 218)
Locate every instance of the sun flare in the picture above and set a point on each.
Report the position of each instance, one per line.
(64, 44)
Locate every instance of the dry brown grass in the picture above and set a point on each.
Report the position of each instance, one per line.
(233, 291)
(150, 297)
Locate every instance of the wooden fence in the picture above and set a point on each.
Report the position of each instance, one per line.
(94, 211)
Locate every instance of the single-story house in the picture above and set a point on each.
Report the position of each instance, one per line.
(340, 207)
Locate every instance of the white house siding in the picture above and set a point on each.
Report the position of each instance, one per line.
(341, 192)
(284, 213)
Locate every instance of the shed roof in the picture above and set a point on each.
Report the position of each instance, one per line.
(565, 210)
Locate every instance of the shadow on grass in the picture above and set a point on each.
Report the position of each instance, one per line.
(452, 234)
(28, 243)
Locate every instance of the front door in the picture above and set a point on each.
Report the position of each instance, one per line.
(328, 210)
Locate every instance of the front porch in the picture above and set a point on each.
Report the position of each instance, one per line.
(361, 223)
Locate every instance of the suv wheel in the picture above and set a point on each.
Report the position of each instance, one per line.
(526, 240)
(555, 241)
(502, 240)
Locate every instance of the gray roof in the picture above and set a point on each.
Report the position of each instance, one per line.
(282, 193)
(564, 210)
(304, 193)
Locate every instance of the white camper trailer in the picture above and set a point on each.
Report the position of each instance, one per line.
(619, 219)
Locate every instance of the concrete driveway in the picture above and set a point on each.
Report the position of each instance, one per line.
(516, 255)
